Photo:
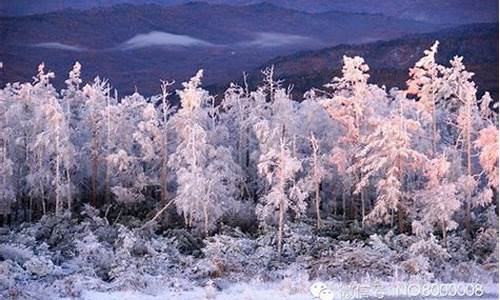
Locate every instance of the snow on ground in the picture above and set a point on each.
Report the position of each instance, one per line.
(282, 291)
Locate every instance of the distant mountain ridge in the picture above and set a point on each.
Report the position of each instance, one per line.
(434, 11)
(389, 61)
(137, 45)
(220, 24)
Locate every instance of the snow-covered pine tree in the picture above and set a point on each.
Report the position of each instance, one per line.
(37, 181)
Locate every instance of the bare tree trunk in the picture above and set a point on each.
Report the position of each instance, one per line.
(107, 168)
(205, 215)
(57, 183)
(107, 184)
(363, 209)
(30, 216)
(164, 161)
(343, 204)
(25, 210)
(163, 181)
(354, 206)
(318, 215)
(443, 228)
(280, 227)
(392, 218)
(158, 214)
(467, 217)
(434, 128)
(400, 220)
(70, 198)
(95, 168)
(335, 206)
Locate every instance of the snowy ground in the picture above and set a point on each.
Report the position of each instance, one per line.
(284, 291)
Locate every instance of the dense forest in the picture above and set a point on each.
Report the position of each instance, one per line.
(354, 179)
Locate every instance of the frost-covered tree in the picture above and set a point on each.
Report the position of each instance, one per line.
(280, 168)
(352, 103)
(49, 147)
(237, 115)
(166, 111)
(426, 83)
(147, 151)
(274, 106)
(73, 103)
(38, 175)
(7, 192)
(317, 172)
(95, 128)
(464, 106)
(55, 142)
(487, 145)
(240, 111)
(25, 120)
(487, 142)
(134, 148)
(385, 160)
(207, 176)
(439, 199)
(73, 100)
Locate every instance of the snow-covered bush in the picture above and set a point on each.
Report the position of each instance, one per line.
(17, 253)
(94, 258)
(39, 266)
(485, 243)
(352, 260)
(235, 256)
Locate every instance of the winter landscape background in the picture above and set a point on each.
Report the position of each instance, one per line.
(168, 149)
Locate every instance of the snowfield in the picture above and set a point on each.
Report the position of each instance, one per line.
(242, 291)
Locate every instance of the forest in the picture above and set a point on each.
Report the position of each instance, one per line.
(353, 181)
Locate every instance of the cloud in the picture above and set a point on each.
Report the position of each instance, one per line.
(159, 38)
(275, 39)
(55, 45)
